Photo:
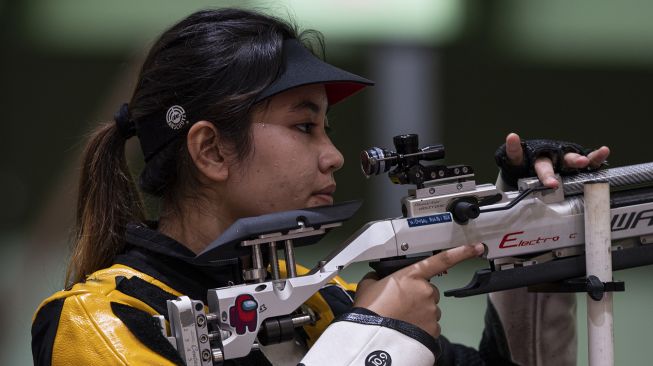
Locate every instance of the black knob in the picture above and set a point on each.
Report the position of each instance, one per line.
(406, 144)
(463, 211)
(276, 330)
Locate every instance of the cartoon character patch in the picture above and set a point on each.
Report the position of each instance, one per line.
(243, 314)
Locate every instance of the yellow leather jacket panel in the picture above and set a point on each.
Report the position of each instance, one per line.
(89, 332)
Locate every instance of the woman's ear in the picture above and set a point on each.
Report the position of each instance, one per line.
(207, 151)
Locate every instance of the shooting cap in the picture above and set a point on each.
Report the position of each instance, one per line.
(301, 68)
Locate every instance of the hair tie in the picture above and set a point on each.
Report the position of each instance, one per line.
(126, 127)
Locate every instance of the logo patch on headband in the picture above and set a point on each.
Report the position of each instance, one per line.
(176, 117)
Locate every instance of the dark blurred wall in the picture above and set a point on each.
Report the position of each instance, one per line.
(48, 99)
(487, 94)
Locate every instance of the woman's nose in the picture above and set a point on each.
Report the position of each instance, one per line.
(330, 159)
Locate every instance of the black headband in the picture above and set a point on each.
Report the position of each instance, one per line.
(300, 67)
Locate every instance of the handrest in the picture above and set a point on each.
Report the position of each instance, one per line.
(228, 244)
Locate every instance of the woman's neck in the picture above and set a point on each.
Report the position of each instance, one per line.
(193, 225)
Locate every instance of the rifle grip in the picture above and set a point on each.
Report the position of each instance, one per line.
(388, 266)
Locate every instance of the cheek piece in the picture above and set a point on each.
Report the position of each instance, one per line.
(299, 67)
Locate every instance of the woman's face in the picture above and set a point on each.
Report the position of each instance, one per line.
(292, 160)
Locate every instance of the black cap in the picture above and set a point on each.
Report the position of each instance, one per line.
(300, 67)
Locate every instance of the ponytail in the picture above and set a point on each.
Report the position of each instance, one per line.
(107, 200)
(210, 66)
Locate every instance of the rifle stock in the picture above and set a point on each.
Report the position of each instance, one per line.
(534, 237)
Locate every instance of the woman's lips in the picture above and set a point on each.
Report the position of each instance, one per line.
(327, 199)
(325, 195)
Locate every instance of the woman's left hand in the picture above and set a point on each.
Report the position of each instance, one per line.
(544, 166)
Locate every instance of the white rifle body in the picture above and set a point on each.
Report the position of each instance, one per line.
(540, 228)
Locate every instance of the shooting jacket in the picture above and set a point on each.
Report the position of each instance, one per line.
(108, 320)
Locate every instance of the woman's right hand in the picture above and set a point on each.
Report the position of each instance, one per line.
(407, 294)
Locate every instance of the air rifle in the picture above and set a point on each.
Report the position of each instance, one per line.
(533, 238)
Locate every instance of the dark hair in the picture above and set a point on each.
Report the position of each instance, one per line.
(214, 63)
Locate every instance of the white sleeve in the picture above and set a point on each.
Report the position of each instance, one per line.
(366, 339)
(540, 328)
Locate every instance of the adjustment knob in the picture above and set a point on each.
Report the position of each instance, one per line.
(463, 211)
(406, 144)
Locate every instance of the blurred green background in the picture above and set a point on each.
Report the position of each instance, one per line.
(461, 73)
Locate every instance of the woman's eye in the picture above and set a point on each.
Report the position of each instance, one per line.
(305, 127)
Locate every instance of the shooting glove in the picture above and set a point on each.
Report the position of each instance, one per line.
(534, 149)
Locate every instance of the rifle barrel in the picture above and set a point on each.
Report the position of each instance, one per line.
(625, 176)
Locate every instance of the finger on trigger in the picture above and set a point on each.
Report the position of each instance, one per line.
(514, 149)
(576, 161)
(442, 261)
(544, 170)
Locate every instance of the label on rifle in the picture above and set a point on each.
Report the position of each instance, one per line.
(429, 220)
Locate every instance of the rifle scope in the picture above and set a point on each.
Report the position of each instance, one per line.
(378, 160)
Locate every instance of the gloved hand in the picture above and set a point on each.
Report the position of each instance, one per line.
(536, 328)
(543, 158)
